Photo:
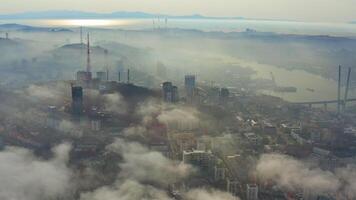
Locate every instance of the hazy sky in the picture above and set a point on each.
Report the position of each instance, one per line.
(302, 10)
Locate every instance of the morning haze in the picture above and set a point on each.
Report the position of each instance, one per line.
(177, 106)
(302, 10)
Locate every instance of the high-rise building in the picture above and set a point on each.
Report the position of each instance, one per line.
(219, 173)
(167, 90)
(170, 92)
(189, 86)
(252, 192)
(84, 76)
(233, 186)
(190, 81)
(101, 76)
(77, 100)
(175, 94)
(95, 124)
(201, 159)
(53, 120)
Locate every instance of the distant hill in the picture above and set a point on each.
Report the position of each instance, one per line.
(20, 27)
(77, 47)
(64, 14)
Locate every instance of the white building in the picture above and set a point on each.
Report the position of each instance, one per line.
(199, 158)
(95, 125)
(219, 173)
(232, 186)
(252, 192)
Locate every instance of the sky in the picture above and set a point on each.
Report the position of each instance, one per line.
(300, 10)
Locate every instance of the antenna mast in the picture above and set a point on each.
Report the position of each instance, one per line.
(81, 35)
(128, 76)
(106, 64)
(88, 55)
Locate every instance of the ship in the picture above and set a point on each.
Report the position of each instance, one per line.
(310, 89)
(285, 89)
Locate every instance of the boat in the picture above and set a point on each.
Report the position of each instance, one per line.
(285, 89)
(310, 89)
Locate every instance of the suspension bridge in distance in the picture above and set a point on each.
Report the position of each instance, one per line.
(325, 103)
(341, 103)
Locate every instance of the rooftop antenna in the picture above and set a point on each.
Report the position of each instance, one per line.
(106, 64)
(347, 88)
(88, 54)
(128, 76)
(339, 91)
(81, 35)
(81, 44)
(107, 74)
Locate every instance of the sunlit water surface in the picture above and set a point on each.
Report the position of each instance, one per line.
(340, 29)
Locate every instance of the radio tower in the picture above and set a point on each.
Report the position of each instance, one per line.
(106, 64)
(88, 55)
(339, 92)
(81, 35)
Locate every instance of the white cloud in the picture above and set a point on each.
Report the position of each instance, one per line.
(141, 164)
(26, 177)
(294, 174)
(203, 194)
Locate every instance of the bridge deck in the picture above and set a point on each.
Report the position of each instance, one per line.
(321, 102)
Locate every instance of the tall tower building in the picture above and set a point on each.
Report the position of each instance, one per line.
(77, 100)
(170, 92)
(167, 91)
(175, 94)
(189, 86)
(190, 82)
(101, 76)
(88, 55)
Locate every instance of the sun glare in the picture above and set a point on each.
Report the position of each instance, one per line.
(88, 22)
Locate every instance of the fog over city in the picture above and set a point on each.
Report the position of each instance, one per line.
(201, 100)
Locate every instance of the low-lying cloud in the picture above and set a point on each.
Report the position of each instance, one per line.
(180, 118)
(204, 194)
(293, 174)
(141, 164)
(115, 103)
(146, 175)
(26, 177)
